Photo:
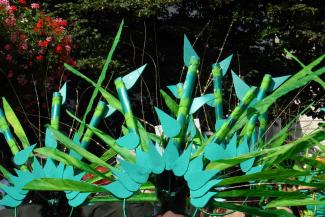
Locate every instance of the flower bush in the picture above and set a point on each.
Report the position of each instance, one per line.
(32, 41)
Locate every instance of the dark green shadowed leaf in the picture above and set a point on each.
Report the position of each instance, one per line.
(171, 104)
(293, 202)
(260, 193)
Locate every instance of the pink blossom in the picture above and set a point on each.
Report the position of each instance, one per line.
(10, 21)
(7, 47)
(8, 58)
(49, 39)
(68, 48)
(24, 46)
(35, 6)
(4, 2)
(14, 36)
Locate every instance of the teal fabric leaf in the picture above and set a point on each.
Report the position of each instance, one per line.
(231, 148)
(247, 165)
(137, 173)
(219, 123)
(38, 171)
(21, 157)
(200, 202)
(109, 111)
(197, 179)
(241, 88)
(118, 190)
(76, 140)
(195, 165)
(214, 152)
(63, 92)
(130, 79)
(188, 51)
(155, 160)
(50, 168)
(323, 109)
(13, 192)
(198, 102)
(255, 169)
(71, 194)
(129, 141)
(125, 180)
(205, 188)
(59, 171)
(50, 140)
(191, 130)
(23, 177)
(9, 201)
(170, 126)
(243, 148)
(278, 81)
(68, 172)
(224, 64)
(181, 164)
(79, 199)
(142, 159)
(176, 89)
(170, 154)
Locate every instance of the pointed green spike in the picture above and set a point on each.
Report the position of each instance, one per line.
(21, 157)
(188, 51)
(198, 102)
(200, 202)
(118, 190)
(181, 164)
(131, 78)
(241, 88)
(170, 154)
(224, 64)
(129, 141)
(63, 92)
(170, 126)
(205, 188)
(278, 81)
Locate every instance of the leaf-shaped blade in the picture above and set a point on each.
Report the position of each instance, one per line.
(170, 154)
(181, 164)
(13, 192)
(224, 64)
(205, 188)
(155, 160)
(118, 190)
(241, 88)
(198, 102)
(278, 81)
(176, 89)
(171, 127)
(63, 92)
(50, 140)
(10, 202)
(130, 79)
(79, 199)
(202, 201)
(188, 51)
(21, 157)
(214, 152)
(137, 173)
(197, 179)
(129, 141)
(195, 165)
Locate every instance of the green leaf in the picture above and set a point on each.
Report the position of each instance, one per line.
(273, 174)
(50, 184)
(108, 154)
(14, 122)
(145, 197)
(293, 202)
(102, 76)
(66, 141)
(253, 210)
(5, 173)
(260, 193)
(68, 160)
(171, 104)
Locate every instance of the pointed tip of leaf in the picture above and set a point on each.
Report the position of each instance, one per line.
(188, 51)
(63, 92)
(131, 78)
(224, 64)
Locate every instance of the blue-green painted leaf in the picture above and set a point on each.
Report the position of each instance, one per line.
(231, 148)
(214, 152)
(130, 79)
(155, 160)
(195, 165)
(241, 88)
(224, 64)
(23, 178)
(202, 201)
(142, 159)
(50, 140)
(68, 172)
(198, 102)
(176, 89)
(9, 201)
(118, 190)
(37, 171)
(109, 111)
(255, 169)
(21, 157)
(323, 109)
(205, 188)
(125, 180)
(79, 199)
(219, 123)
(76, 140)
(129, 141)
(188, 51)
(191, 129)
(170, 126)
(197, 179)
(170, 154)
(13, 192)
(247, 165)
(63, 92)
(135, 172)
(181, 164)
(71, 194)
(50, 168)
(278, 81)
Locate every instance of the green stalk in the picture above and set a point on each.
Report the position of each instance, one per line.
(126, 106)
(186, 99)
(56, 110)
(4, 128)
(217, 90)
(98, 115)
